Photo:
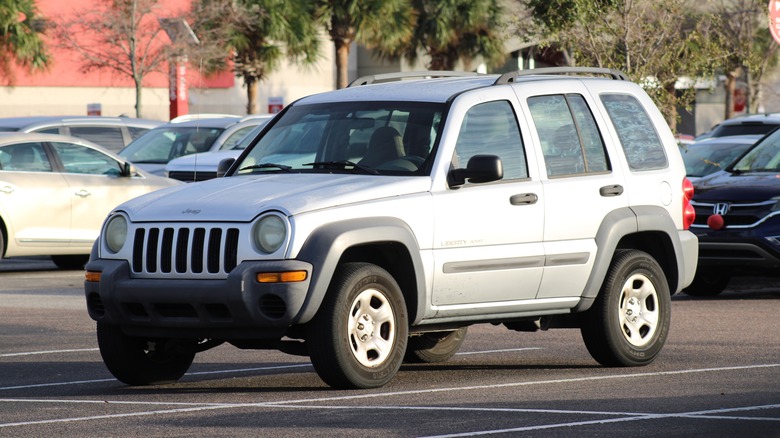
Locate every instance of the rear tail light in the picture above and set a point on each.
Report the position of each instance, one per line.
(689, 214)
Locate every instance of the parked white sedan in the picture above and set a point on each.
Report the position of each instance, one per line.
(55, 192)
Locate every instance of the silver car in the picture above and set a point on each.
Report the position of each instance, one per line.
(55, 192)
(113, 133)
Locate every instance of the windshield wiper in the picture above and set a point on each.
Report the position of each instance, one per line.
(343, 164)
(267, 166)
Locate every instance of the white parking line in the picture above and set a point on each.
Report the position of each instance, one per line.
(33, 353)
(298, 403)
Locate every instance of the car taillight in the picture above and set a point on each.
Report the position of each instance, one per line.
(689, 214)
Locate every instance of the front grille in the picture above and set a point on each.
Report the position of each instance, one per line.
(189, 176)
(746, 215)
(197, 250)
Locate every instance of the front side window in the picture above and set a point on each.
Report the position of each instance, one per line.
(643, 148)
(387, 138)
(24, 157)
(82, 160)
(491, 129)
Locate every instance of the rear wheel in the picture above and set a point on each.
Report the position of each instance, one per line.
(358, 337)
(629, 321)
(708, 283)
(434, 347)
(139, 361)
(70, 261)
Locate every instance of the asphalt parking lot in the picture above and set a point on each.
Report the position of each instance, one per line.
(719, 375)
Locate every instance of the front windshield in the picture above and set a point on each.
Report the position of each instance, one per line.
(389, 138)
(161, 145)
(764, 157)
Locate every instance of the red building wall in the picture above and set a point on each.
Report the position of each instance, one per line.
(66, 70)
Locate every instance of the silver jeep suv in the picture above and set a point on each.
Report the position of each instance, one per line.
(372, 225)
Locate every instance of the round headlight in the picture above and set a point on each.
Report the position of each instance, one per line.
(116, 233)
(270, 233)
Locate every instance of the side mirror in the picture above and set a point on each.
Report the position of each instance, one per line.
(224, 166)
(480, 169)
(128, 170)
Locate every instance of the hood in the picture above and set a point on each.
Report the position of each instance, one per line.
(242, 198)
(737, 187)
(207, 161)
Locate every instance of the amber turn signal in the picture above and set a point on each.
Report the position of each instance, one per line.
(92, 276)
(281, 277)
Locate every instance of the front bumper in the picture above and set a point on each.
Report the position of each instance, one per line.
(238, 307)
(745, 249)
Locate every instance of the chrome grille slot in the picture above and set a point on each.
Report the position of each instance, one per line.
(205, 251)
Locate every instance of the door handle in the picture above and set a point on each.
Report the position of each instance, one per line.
(82, 193)
(523, 199)
(7, 190)
(611, 190)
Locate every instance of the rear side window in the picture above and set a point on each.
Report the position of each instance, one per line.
(643, 148)
(24, 157)
(570, 139)
(108, 137)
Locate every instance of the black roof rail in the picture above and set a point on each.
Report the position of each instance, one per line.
(382, 77)
(510, 77)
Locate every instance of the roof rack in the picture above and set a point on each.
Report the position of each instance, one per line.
(510, 77)
(383, 77)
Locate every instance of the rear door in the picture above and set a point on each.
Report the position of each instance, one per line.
(581, 182)
(35, 200)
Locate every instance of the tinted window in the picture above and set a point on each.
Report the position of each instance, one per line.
(637, 134)
(24, 157)
(491, 128)
(78, 159)
(106, 136)
(743, 129)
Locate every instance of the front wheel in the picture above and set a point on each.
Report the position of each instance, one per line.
(434, 347)
(629, 321)
(139, 361)
(358, 337)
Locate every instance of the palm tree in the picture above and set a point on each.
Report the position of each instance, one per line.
(449, 31)
(375, 23)
(20, 38)
(258, 35)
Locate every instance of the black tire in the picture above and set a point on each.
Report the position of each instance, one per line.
(708, 283)
(358, 337)
(629, 321)
(70, 262)
(134, 362)
(434, 347)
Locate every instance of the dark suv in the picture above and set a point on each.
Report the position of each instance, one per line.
(738, 219)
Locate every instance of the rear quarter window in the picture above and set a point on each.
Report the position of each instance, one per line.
(638, 137)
